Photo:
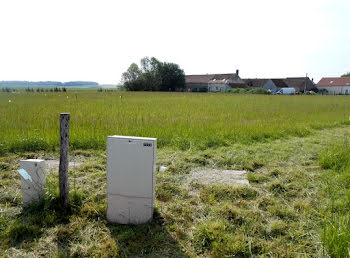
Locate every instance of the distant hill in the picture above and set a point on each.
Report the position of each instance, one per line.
(47, 84)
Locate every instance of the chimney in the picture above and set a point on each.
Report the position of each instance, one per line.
(237, 72)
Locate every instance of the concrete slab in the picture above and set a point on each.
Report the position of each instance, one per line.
(216, 176)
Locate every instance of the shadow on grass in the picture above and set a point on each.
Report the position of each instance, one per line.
(150, 239)
(29, 225)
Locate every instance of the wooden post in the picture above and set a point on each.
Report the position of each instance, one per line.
(64, 158)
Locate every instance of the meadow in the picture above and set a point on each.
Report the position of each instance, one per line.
(295, 149)
(30, 121)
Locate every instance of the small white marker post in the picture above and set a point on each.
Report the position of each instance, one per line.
(32, 179)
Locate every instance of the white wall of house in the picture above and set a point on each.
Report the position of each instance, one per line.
(334, 90)
(269, 85)
(217, 87)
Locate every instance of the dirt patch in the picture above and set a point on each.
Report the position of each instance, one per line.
(215, 176)
(53, 165)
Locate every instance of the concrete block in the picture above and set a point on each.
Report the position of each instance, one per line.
(33, 189)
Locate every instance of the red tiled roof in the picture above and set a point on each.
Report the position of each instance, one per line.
(334, 81)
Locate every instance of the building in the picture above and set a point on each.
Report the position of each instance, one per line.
(198, 83)
(334, 85)
(300, 84)
(274, 85)
(255, 83)
(214, 82)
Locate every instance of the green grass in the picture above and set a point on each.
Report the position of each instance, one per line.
(297, 204)
(336, 227)
(179, 120)
(288, 210)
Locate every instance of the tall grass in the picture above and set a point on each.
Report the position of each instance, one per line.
(182, 120)
(336, 227)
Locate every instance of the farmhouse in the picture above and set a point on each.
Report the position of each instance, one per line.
(274, 85)
(214, 82)
(334, 85)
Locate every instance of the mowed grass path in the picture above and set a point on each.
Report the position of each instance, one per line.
(181, 120)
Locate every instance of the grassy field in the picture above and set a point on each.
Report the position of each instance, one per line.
(295, 149)
(181, 120)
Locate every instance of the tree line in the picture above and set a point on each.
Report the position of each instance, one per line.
(153, 75)
(48, 83)
(56, 89)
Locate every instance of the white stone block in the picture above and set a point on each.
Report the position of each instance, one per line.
(131, 166)
(33, 189)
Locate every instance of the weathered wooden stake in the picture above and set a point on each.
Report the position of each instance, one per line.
(64, 158)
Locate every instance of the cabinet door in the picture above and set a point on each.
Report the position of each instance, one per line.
(130, 165)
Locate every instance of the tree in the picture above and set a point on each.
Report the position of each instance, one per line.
(346, 75)
(130, 78)
(153, 76)
(172, 77)
(150, 77)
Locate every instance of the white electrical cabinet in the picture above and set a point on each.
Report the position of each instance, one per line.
(131, 166)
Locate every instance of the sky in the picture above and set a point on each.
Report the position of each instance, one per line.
(66, 40)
